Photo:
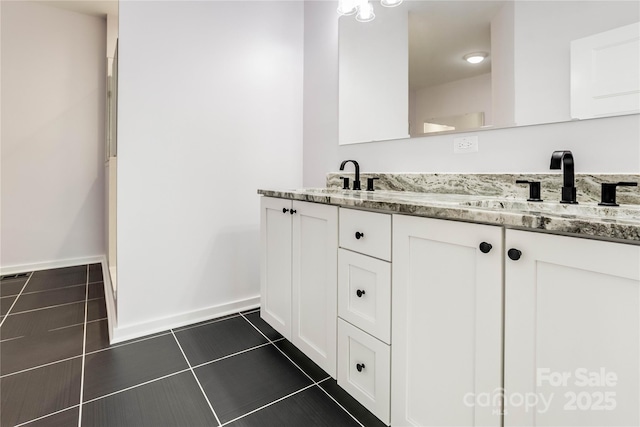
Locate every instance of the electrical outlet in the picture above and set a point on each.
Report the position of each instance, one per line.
(465, 144)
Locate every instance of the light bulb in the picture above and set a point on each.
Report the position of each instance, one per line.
(365, 13)
(390, 3)
(347, 7)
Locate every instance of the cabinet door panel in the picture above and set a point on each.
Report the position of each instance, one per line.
(446, 322)
(572, 312)
(275, 264)
(315, 246)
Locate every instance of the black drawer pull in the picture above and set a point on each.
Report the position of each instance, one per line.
(514, 254)
(292, 211)
(285, 210)
(360, 293)
(359, 235)
(485, 247)
(359, 366)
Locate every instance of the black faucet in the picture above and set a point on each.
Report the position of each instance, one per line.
(356, 181)
(565, 159)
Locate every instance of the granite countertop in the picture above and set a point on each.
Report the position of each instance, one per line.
(586, 219)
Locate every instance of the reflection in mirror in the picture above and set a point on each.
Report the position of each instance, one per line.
(525, 79)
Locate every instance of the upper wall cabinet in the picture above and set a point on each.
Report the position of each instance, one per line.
(604, 73)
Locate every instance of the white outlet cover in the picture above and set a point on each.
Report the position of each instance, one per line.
(465, 144)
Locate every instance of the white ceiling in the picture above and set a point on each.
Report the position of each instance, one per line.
(89, 7)
(441, 33)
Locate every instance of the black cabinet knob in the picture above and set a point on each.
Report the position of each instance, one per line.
(359, 366)
(485, 247)
(285, 210)
(292, 211)
(359, 235)
(360, 293)
(514, 254)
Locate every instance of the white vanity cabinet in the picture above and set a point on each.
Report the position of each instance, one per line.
(572, 332)
(364, 308)
(298, 283)
(446, 322)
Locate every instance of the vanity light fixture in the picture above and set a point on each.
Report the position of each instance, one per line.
(475, 57)
(363, 8)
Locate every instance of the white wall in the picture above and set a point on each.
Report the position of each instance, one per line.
(210, 110)
(459, 97)
(599, 146)
(52, 151)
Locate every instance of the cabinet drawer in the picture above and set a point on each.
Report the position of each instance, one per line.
(364, 293)
(364, 369)
(373, 232)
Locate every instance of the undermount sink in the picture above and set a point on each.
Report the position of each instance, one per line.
(556, 208)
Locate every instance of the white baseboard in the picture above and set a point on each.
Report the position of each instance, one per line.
(109, 298)
(24, 268)
(158, 325)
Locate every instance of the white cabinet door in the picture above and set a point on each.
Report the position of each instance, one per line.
(446, 322)
(275, 264)
(314, 267)
(572, 332)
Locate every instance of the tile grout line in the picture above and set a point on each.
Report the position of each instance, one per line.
(53, 306)
(76, 324)
(196, 378)
(340, 405)
(40, 366)
(270, 403)
(205, 322)
(45, 416)
(138, 385)
(231, 355)
(48, 290)
(6, 316)
(278, 348)
(134, 341)
(84, 347)
(317, 383)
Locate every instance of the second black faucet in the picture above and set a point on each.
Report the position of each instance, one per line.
(356, 180)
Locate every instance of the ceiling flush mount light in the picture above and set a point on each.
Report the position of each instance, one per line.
(475, 57)
(390, 3)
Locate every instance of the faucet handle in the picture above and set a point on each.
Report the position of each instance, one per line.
(534, 189)
(608, 197)
(345, 184)
(370, 183)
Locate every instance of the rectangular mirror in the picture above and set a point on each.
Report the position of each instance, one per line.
(404, 74)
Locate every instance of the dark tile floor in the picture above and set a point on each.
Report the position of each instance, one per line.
(58, 369)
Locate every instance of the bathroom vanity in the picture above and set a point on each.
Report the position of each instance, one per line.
(453, 309)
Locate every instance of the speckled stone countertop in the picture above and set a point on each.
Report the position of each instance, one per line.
(476, 198)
